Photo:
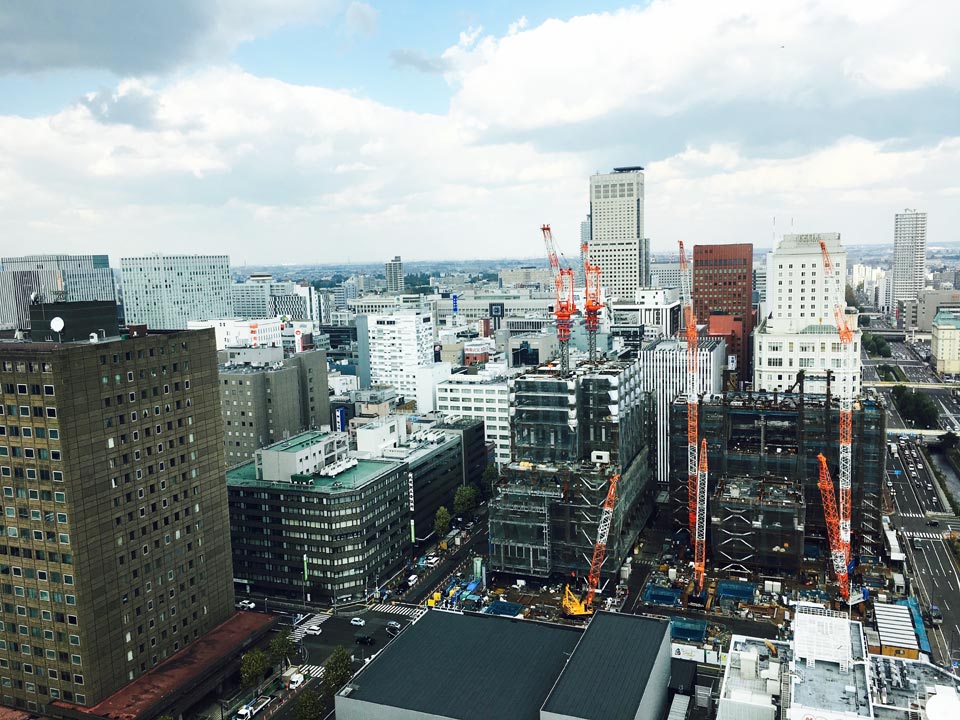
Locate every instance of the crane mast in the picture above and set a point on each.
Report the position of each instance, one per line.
(690, 322)
(565, 306)
(591, 275)
(846, 404)
(700, 543)
(838, 553)
(603, 535)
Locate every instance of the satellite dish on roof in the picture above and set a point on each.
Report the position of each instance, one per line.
(56, 324)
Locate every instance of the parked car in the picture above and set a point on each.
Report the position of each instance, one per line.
(394, 624)
(358, 622)
(246, 604)
(363, 639)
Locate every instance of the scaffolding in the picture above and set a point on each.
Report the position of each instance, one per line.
(570, 434)
(757, 524)
(779, 435)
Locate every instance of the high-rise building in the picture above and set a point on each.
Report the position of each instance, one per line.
(394, 274)
(909, 255)
(398, 344)
(48, 278)
(163, 292)
(116, 550)
(723, 285)
(482, 396)
(800, 331)
(617, 242)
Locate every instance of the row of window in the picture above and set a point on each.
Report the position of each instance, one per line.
(21, 366)
(27, 389)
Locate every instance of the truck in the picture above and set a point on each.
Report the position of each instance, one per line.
(253, 707)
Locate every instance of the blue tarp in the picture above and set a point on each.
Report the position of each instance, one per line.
(502, 607)
(661, 595)
(690, 630)
(741, 591)
(472, 586)
(918, 627)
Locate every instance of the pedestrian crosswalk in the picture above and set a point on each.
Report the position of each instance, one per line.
(406, 610)
(911, 515)
(314, 671)
(926, 535)
(300, 630)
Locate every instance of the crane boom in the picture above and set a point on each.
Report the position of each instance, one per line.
(603, 535)
(846, 403)
(565, 305)
(690, 322)
(700, 543)
(591, 275)
(838, 553)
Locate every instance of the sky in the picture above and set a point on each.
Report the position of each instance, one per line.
(330, 131)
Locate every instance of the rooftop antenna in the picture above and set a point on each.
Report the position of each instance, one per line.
(56, 324)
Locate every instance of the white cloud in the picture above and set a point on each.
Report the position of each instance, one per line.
(361, 18)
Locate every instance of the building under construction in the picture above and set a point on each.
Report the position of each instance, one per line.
(769, 435)
(757, 523)
(570, 434)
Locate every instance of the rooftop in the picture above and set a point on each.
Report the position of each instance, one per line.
(947, 320)
(606, 677)
(195, 661)
(895, 625)
(359, 475)
(298, 442)
(468, 656)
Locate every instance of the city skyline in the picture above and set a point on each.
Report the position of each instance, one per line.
(335, 132)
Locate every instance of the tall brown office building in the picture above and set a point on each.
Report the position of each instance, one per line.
(723, 296)
(115, 549)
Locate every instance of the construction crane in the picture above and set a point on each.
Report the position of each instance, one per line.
(593, 306)
(565, 306)
(838, 554)
(572, 605)
(846, 403)
(690, 322)
(700, 539)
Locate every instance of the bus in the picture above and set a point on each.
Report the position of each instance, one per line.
(894, 451)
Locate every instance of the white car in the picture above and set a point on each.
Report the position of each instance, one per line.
(312, 630)
(246, 605)
(358, 622)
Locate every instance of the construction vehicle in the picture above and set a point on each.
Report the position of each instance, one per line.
(572, 605)
(846, 407)
(838, 555)
(565, 306)
(592, 304)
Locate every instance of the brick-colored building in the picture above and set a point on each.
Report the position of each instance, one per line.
(115, 553)
(723, 285)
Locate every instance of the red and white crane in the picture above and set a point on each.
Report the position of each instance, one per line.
(565, 306)
(838, 552)
(845, 396)
(690, 322)
(592, 304)
(571, 604)
(700, 537)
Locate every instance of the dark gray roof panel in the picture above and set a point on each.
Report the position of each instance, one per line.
(607, 674)
(468, 667)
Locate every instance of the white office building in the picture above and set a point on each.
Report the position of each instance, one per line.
(654, 313)
(483, 396)
(667, 275)
(47, 278)
(399, 343)
(240, 332)
(663, 371)
(165, 292)
(393, 270)
(799, 330)
(617, 242)
(909, 255)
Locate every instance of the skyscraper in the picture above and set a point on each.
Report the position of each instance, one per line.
(909, 255)
(394, 274)
(399, 343)
(116, 549)
(163, 292)
(800, 331)
(48, 278)
(617, 242)
(723, 291)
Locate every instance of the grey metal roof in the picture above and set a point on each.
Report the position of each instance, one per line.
(468, 667)
(608, 672)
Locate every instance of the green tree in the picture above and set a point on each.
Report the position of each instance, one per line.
(864, 321)
(310, 705)
(281, 648)
(465, 499)
(253, 665)
(441, 523)
(850, 296)
(337, 672)
(490, 477)
(949, 440)
(884, 349)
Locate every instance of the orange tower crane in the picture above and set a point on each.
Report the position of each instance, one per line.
(565, 306)
(838, 554)
(846, 401)
(700, 541)
(690, 320)
(593, 306)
